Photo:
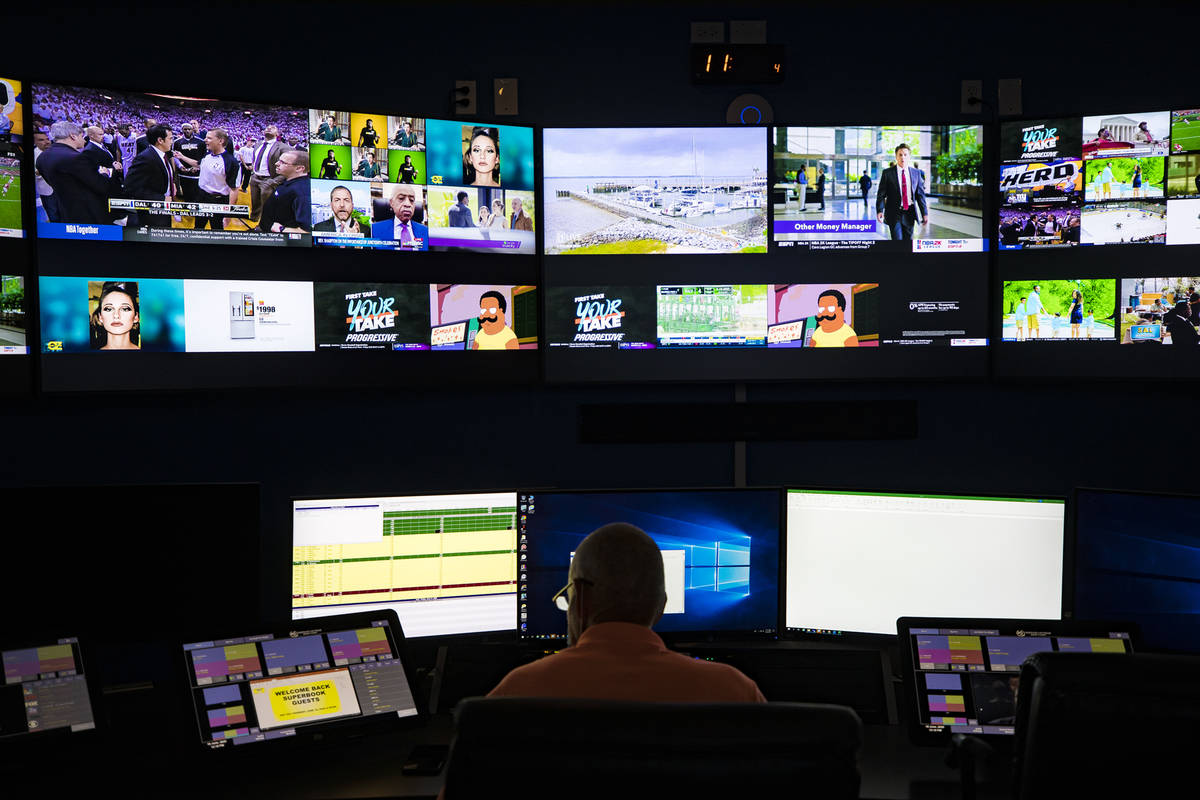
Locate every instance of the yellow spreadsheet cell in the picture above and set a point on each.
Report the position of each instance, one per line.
(366, 575)
(316, 578)
(474, 542)
(964, 643)
(463, 591)
(1108, 646)
(477, 569)
(416, 572)
(416, 544)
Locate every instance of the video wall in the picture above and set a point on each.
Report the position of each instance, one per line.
(168, 168)
(13, 325)
(1122, 180)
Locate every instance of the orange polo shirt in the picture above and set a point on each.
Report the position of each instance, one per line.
(623, 661)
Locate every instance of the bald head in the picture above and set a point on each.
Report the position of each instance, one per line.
(621, 569)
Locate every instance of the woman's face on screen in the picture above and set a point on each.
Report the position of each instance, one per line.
(483, 155)
(117, 314)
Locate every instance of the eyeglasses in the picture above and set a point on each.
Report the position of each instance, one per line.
(560, 600)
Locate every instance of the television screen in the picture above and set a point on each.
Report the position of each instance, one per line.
(858, 560)
(720, 555)
(624, 191)
(845, 188)
(445, 563)
(1159, 310)
(12, 139)
(12, 315)
(1137, 558)
(1109, 179)
(136, 166)
(756, 316)
(84, 315)
(413, 184)
(1078, 310)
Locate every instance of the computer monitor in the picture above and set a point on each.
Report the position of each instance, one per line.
(1137, 557)
(45, 690)
(322, 676)
(720, 555)
(855, 561)
(446, 564)
(961, 674)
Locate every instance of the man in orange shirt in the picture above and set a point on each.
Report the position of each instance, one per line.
(615, 595)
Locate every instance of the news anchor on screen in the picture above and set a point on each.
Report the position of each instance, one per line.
(901, 194)
(400, 228)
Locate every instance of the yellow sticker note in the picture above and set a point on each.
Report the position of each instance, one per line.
(304, 700)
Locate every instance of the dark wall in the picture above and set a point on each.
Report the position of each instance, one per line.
(616, 65)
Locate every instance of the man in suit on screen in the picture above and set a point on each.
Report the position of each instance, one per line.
(264, 177)
(901, 194)
(79, 184)
(400, 228)
(152, 175)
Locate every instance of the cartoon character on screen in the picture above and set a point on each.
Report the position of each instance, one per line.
(493, 333)
(400, 228)
(832, 329)
(116, 324)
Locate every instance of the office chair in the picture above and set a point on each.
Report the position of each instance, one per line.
(593, 748)
(1099, 723)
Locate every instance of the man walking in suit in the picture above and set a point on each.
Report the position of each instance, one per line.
(79, 184)
(152, 175)
(265, 178)
(901, 194)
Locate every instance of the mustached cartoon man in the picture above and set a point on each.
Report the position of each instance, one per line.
(831, 320)
(493, 333)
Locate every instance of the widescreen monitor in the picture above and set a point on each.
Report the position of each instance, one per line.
(163, 326)
(446, 564)
(855, 561)
(765, 331)
(1137, 557)
(167, 168)
(634, 191)
(309, 681)
(842, 188)
(720, 553)
(163, 167)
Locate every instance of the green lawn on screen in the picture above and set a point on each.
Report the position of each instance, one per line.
(10, 205)
(1186, 137)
